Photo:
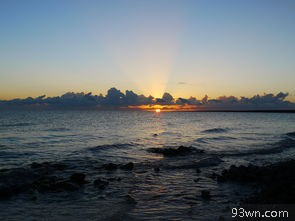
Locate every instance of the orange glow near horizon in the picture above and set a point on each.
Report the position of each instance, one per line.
(164, 108)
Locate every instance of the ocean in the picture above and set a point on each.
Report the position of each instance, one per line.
(161, 185)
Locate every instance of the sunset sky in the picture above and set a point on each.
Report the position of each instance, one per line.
(187, 48)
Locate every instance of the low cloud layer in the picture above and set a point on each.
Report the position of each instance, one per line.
(115, 99)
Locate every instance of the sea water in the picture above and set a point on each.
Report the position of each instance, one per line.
(85, 140)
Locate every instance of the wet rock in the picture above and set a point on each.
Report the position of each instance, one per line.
(275, 183)
(114, 179)
(130, 199)
(6, 191)
(101, 184)
(180, 151)
(59, 166)
(213, 176)
(205, 194)
(128, 166)
(198, 170)
(36, 165)
(110, 166)
(78, 178)
(16, 180)
(64, 186)
(197, 180)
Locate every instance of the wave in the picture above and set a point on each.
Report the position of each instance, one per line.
(219, 138)
(11, 154)
(57, 129)
(274, 148)
(111, 146)
(215, 130)
(16, 125)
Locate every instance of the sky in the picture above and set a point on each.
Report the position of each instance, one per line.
(184, 47)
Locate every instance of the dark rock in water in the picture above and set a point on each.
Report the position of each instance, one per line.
(205, 194)
(114, 179)
(275, 182)
(130, 199)
(5, 191)
(197, 180)
(16, 180)
(101, 184)
(46, 183)
(48, 166)
(110, 166)
(180, 151)
(39, 177)
(198, 170)
(291, 134)
(65, 186)
(78, 178)
(36, 165)
(128, 166)
(213, 176)
(157, 169)
(59, 166)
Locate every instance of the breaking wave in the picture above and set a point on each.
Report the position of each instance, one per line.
(209, 139)
(216, 130)
(274, 148)
(16, 125)
(111, 146)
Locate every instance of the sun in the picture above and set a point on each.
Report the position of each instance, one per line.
(158, 110)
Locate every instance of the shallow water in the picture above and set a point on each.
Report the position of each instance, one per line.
(87, 139)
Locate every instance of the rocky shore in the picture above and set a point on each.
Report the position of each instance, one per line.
(272, 184)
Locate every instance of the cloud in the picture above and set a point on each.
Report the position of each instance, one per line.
(117, 99)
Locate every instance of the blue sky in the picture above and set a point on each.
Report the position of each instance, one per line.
(183, 47)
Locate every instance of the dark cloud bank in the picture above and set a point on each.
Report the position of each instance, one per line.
(115, 99)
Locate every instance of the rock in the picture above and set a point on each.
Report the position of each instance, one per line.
(6, 191)
(59, 166)
(198, 170)
(36, 165)
(101, 184)
(65, 186)
(205, 194)
(128, 166)
(180, 151)
(155, 135)
(213, 176)
(110, 166)
(197, 180)
(130, 199)
(273, 183)
(78, 178)
(114, 179)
